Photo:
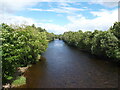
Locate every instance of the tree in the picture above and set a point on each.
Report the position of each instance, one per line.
(20, 47)
(100, 43)
(105, 44)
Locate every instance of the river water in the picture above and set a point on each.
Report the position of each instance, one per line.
(67, 67)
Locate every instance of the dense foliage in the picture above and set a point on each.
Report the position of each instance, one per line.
(50, 36)
(21, 46)
(100, 43)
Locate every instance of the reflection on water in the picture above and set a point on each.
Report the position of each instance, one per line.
(58, 44)
(67, 67)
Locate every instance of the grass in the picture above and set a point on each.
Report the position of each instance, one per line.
(21, 80)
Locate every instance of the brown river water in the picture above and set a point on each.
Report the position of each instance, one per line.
(67, 67)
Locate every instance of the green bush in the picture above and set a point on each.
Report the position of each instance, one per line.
(100, 43)
(105, 43)
(20, 47)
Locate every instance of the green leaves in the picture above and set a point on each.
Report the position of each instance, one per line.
(100, 43)
(105, 43)
(115, 29)
(20, 47)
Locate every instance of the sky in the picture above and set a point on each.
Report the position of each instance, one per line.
(59, 16)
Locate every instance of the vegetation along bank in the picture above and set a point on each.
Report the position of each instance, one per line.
(21, 47)
(100, 43)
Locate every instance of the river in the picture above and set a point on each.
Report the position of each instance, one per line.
(67, 67)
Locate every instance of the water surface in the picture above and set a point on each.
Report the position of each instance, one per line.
(67, 67)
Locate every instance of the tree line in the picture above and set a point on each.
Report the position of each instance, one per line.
(21, 46)
(100, 43)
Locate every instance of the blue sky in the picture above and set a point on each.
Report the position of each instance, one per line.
(58, 17)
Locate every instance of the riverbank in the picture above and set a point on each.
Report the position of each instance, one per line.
(19, 77)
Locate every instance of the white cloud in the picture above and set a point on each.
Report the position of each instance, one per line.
(57, 29)
(107, 3)
(72, 9)
(104, 20)
(63, 4)
(101, 13)
(59, 9)
(45, 20)
(11, 6)
(17, 20)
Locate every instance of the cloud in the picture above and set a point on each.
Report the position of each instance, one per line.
(19, 20)
(103, 21)
(101, 13)
(59, 9)
(57, 29)
(47, 21)
(106, 3)
(63, 4)
(11, 6)
(16, 20)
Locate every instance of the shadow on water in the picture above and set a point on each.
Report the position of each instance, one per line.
(66, 67)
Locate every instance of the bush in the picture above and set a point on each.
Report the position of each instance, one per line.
(20, 47)
(101, 43)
